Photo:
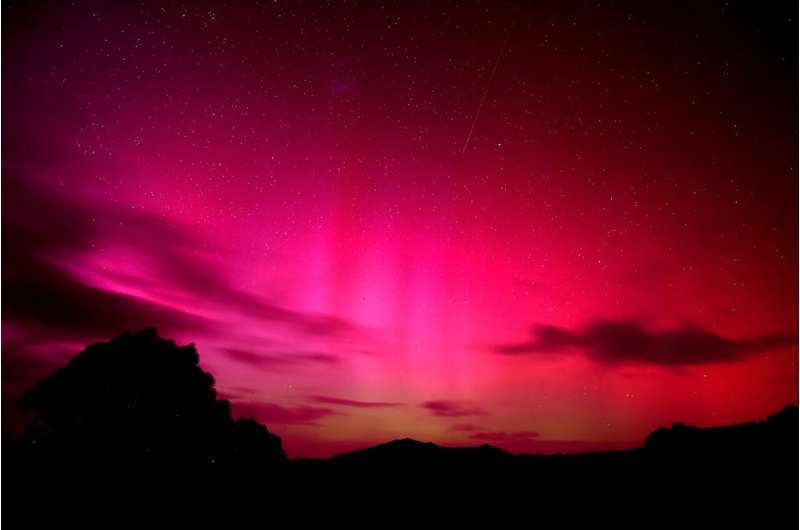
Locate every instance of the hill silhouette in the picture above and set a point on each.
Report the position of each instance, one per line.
(138, 417)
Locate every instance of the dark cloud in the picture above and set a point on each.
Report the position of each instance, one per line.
(36, 290)
(324, 358)
(621, 342)
(464, 427)
(500, 437)
(272, 413)
(279, 361)
(451, 409)
(49, 296)
(530, 441)
(326, 325)
(480, 434)
(353, 403)
(524, 443)
(255, 359)
(46, 232)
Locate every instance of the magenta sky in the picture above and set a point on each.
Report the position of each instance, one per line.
(289, 189)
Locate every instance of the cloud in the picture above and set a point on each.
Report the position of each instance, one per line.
(49, 296)
(450, 409)
(272, 413)
(78, 268)
(92, 269)
(353, 403)
(325, 325)
(500, 437)
(475, 432)
(529, 441)
(628, 342)
(279, 361)
(522, 443)
(324, 358)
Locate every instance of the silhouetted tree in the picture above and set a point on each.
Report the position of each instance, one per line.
(140, 400)
(779, 429)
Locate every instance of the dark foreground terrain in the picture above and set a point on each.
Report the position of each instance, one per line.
(134, 427)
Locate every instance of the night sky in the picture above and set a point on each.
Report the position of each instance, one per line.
(547, 228)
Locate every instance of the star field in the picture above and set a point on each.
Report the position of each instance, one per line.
(549, 227)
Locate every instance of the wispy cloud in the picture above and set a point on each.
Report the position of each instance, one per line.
(272, 413)
(279, 360)
(353, 403)
(451, 409)
(501, 437)
(152, 272)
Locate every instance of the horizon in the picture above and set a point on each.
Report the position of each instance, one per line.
(90, 370)
(540, 226)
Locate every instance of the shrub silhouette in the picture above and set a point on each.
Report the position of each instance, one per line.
(140, 400)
